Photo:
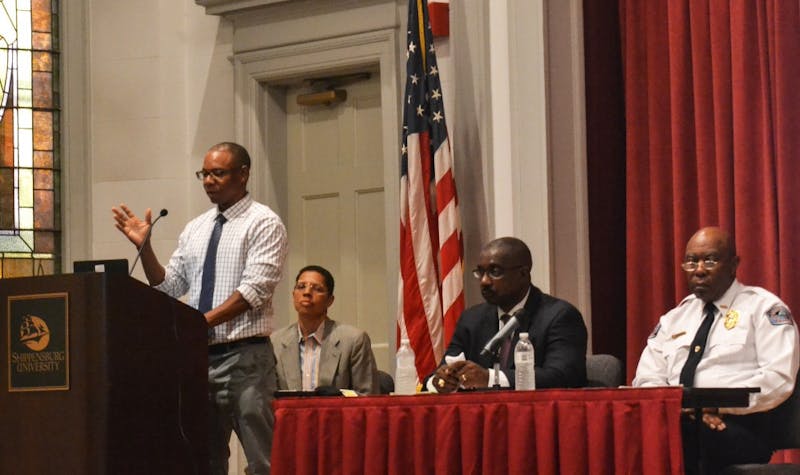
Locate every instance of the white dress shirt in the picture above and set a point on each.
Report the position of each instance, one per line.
(250, 257)
(753, 342)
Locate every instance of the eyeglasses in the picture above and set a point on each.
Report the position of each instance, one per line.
(494, 272)
(691, 264)
(217, 173)
(313, 288)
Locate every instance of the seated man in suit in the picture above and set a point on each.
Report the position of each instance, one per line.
(554, 326)
(318, 351)
(724, 334)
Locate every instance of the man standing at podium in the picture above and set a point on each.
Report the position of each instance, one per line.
(228, 262)
(725, 334)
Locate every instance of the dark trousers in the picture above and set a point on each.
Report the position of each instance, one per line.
(744, 440)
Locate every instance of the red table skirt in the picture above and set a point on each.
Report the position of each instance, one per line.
(574, 431)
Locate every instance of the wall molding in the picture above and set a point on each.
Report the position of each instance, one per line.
(260, 119)
(76, 170)
(224, 7)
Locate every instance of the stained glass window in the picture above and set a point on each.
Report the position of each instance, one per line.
(30, 165)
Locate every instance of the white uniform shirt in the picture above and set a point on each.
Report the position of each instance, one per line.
(753, 342)
(250, 258)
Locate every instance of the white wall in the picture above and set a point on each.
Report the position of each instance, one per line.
(519, 140)
(155, 91)
(149, 86)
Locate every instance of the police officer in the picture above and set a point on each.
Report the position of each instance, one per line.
(725, 334)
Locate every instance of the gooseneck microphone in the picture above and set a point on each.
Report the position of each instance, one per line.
(501, 335)
(161, 214)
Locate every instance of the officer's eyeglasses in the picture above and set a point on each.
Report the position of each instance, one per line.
(708, 262)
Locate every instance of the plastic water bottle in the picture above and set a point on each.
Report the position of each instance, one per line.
(405, 376)
(523, 364)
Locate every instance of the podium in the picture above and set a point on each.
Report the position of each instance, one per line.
(100, 374)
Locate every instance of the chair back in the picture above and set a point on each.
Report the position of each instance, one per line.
(786, 422)
(604, 371)
(385, 382)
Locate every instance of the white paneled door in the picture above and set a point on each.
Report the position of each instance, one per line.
(336, 203)
(336, 212)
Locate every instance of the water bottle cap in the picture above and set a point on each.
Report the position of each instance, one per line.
(523, 335)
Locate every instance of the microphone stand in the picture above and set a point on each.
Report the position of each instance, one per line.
(496, 367)
(161, 214)
(507, 331)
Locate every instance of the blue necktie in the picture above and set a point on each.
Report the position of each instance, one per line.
(209, 267)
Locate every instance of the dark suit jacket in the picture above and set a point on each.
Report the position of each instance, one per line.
(346, 359)
(554, 326)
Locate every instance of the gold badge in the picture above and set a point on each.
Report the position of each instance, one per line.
(731, 319)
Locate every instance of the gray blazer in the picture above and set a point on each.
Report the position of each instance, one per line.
(346, 359)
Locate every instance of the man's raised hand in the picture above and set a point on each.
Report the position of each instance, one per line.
(132, 227)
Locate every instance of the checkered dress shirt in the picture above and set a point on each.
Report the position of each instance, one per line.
(250, 259)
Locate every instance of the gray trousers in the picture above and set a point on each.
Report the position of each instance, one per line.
(241, 387)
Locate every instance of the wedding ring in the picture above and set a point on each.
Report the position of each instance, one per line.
(441, 383)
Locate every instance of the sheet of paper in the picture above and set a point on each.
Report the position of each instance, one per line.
(452, 359)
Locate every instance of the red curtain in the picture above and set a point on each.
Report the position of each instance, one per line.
(712, 99)
(605, 167)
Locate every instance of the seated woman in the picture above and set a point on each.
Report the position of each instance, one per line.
(318, 351)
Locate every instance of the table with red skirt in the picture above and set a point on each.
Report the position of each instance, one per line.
(580, 431)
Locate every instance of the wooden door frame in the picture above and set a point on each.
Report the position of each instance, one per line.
(260, 122)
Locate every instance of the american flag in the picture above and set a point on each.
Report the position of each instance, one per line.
(431, 266)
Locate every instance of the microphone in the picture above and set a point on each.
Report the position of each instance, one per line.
(504, 332)
(161, 214)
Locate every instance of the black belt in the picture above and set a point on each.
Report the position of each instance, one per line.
(220, 348)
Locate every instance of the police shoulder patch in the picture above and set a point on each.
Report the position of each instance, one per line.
(655, 331)
(780, 315)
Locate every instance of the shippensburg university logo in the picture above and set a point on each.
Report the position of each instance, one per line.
(34, 333)
(38, 334)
